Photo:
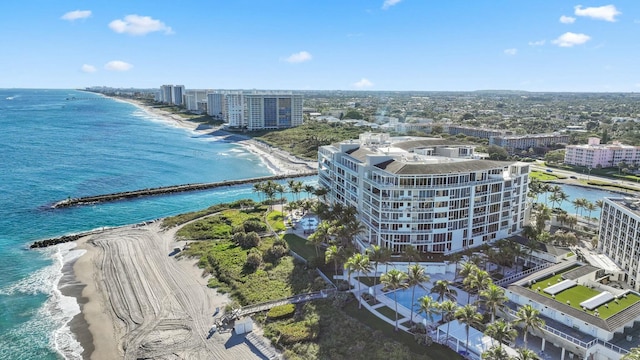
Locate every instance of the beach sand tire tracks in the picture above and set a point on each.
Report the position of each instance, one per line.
(160, 309)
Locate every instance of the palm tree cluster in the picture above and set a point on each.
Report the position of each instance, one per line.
(271, 188)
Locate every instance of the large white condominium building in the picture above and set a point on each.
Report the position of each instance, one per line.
(428, 193)
(272, 110)
(594, 154)
(235, 110)
(619, 237)
(216, 105)
(172, 94)
(523, 142)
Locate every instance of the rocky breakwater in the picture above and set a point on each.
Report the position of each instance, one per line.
(56, 241)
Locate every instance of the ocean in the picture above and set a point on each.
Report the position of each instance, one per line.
(53, 147)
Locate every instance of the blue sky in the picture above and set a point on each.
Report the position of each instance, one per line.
(452, 45)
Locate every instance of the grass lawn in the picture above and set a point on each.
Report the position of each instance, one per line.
(579, 293)
(434, 351)
(276, 220)
(388, 312)
(301, 247)
(544, 176)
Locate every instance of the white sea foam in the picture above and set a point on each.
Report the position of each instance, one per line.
(56, 313)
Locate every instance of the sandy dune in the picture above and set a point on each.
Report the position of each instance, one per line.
(149, 304)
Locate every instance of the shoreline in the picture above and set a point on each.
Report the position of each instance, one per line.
(137, 301)
(279, 162)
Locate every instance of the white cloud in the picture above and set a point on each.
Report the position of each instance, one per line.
(389, 3)
(139, 25)
(567, 19)
(570, 39)
(606, 13)
(76, 14)
(299, 57)
(117, 65)
(363, 84)
(537, 43)
(511, 52)
(88, 68)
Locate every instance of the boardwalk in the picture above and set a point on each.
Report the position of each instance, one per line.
(164, 190)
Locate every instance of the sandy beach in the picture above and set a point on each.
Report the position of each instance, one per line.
(278, 161)
(138, 301)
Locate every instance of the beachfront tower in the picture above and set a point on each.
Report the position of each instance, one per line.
(430, 193)
(273, 110)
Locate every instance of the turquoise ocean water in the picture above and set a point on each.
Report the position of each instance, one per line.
(52, 148)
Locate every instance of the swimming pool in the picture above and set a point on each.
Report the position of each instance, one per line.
(404, 299)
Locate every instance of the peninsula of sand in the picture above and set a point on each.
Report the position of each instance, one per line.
(137, 301)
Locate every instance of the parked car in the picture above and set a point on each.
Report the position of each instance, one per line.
(573, 177)
(549, 170)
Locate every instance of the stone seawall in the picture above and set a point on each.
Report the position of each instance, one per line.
(171, 190)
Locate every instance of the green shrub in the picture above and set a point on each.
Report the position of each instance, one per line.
(254, 260)
(250, 240)
(274, 253)
(254, 225)
(281, 312)
(298, 332)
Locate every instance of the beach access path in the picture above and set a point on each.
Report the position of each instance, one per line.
(143, 303)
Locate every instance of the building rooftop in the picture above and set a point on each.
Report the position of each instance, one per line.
(610, 316)
(405, 168)
(630, 203)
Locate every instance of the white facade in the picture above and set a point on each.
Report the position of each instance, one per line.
(235, 110)
(216, 105)
(177, 93)
(595, 155)
(408, 193)
(619, 236)
(166, 93)
(272, 110)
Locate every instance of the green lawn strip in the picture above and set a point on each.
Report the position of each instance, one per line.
(276, 220)
(544, 176)
(369, 280)
(301, 247)
(388, 312)
(434, 351)
(579, 293)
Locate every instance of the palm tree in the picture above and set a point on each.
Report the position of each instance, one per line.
(320, 236)
(590, 207)
(530, 319)
(469, 316)
(361, 264)
(495, 353)
(411, 254)
(500, 331)
(455, 258)
(416, 277)
(258, 188)
(478, 281)
(467, 268)
(526, 354)
(376, 255)
(333, 253)
(493, 299)
(444, 290)
(448, 309)
(427, 306)
(394, 280)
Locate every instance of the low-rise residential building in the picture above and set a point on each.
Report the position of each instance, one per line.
(594, 154)
(513, 143)
(482, 133)
(432, 194)
(583, 315)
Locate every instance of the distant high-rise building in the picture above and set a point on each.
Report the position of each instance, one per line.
(235, 110)
(177, 92)
(272, 110)
(216, 105)
(166, 92)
